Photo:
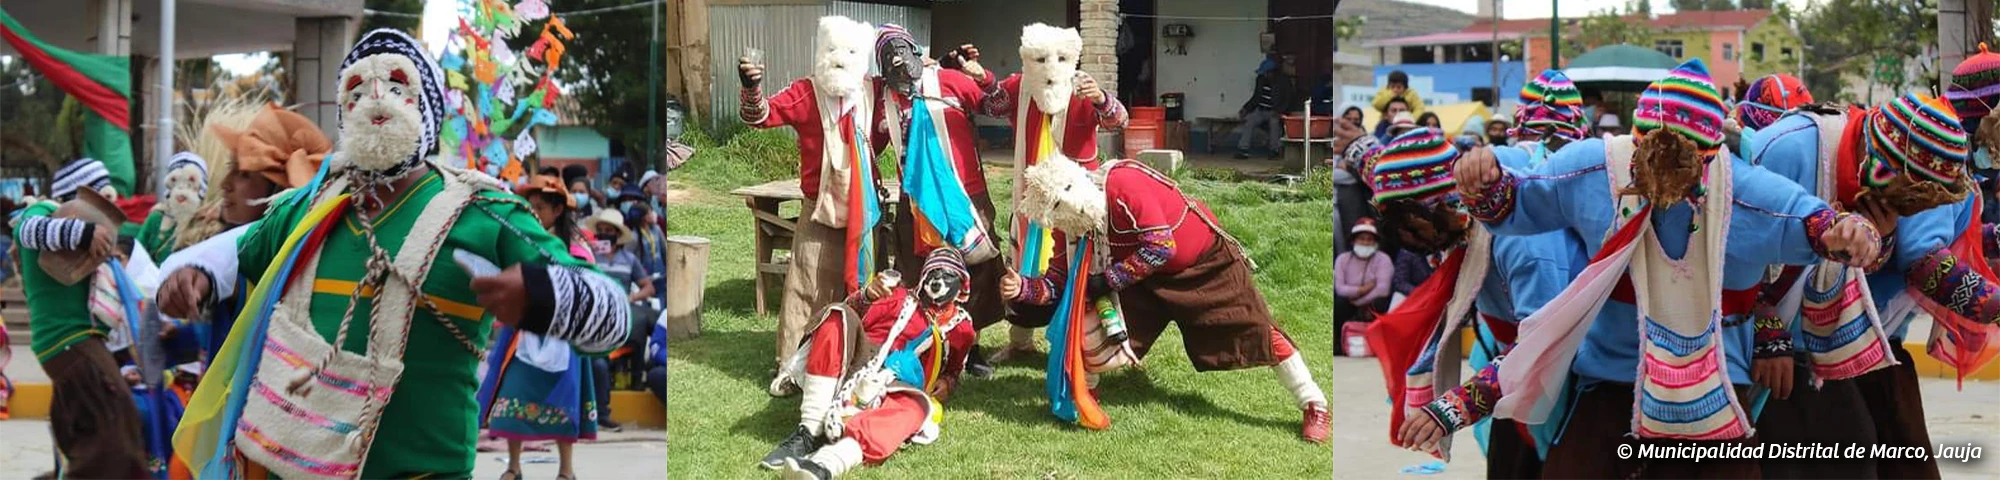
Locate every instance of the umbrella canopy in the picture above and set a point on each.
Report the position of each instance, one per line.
(1623, 68)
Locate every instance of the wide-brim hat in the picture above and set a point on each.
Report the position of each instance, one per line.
(546, 184)
(71, 266)
(614, 218)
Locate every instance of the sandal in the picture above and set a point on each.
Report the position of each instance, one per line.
(565, 476)
(510, 475)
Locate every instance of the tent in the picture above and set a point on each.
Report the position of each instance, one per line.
(1619, 68)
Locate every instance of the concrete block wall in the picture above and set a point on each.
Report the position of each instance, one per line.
(1100, 42)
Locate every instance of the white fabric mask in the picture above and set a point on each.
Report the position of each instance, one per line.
(1364, 251)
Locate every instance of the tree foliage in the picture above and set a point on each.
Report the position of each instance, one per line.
(28, 109)
(1705, 5)
(606, 71)
(1607, 27)
(1848, 37)
(1348, 28)
(407, 24)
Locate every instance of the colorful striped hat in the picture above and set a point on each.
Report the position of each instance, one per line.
(1975, 85)
(1914, 134)
(1550, 100)
(1769, 98)
(1417, 166)
(1685, 103)
(79, 173)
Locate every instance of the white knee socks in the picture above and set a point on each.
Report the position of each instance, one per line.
(1293, 374)
(839, 457)
(816, 400)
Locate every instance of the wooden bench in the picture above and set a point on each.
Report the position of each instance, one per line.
(773, 231)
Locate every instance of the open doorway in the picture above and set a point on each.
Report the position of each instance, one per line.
(1136, 51)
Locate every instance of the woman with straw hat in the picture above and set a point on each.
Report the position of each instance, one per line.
(536, 388)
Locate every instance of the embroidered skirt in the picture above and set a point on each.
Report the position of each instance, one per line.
(529, 403)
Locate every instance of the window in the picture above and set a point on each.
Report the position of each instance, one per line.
(1785, 53)
(1728, 51)
(1670, 47)
(1756, 52)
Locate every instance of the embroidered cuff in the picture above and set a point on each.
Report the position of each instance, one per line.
(541, 299)
(1990, 234)
(578, 306)
(1111, 113)
(1495, 201)
(1037, 291)
(51, 234)
(1774, 337)
(1155, 247)
(754, 106)
(1948, 280)
(998, 102)
(1819, 222)
(1887, 246)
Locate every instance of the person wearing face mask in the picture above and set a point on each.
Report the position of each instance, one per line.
(833, 248)
(381, 239)
(1363, 276)
(889, 356)
(943, 182)
(1504, 279)
(1550, 114)
(262, 150)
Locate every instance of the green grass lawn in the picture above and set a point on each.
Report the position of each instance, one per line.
(1167, 420)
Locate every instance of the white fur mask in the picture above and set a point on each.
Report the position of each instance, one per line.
(845, 50)
(1048, 65)
(382, 125)
(183, 195)
(1061, 194)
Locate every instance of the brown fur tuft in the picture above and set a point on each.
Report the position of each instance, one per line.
(1908, 195)
(1666, 168)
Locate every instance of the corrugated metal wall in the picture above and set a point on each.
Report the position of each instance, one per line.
(786, 34)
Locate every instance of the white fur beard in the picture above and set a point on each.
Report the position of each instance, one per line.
(181, 202)
(375, 148)
(839, 83)
(1060, 194)
(1050, 97)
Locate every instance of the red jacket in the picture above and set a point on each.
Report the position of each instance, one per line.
(797, 106)
(960, 131)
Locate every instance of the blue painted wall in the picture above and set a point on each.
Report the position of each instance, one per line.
(1456, 79)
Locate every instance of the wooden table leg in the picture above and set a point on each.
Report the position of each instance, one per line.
(763, 253)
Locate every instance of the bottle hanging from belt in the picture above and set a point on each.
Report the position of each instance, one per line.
(1114, 323)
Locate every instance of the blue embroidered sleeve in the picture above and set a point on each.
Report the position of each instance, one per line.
(1539, 199)
(1772, 219)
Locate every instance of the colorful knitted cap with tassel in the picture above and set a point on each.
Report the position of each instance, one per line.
(1975, 85)
(1914, 134)
(1769, 98)
(1685, 103)
(1415, 166)
(1550, 100)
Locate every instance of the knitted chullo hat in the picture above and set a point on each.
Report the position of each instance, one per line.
(1769, 98)
(190, 159)
(1415, 166)
(1917, 135)
(1685, 103)
(1975, 85)
(79, 173)
(1550, 100)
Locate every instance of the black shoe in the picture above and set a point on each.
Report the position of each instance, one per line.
(803, 469)
(1275, 155)
(606, 425)
(797, 446)
(1242, 154)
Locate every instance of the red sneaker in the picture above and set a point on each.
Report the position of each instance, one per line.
(1318, 424)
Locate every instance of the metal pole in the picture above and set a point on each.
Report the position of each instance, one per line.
(1495, 98)
(653, 94)
(163, 146)
(1555, 36)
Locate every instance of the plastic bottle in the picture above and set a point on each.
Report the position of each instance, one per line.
(1114, 324)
